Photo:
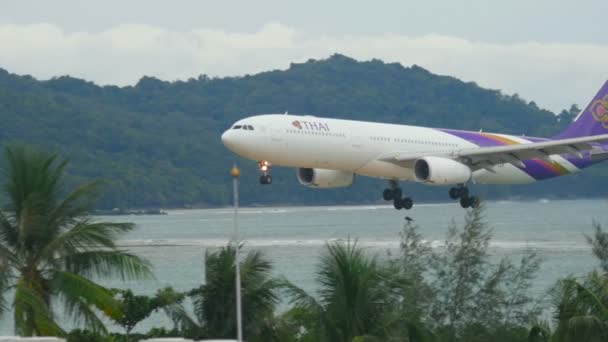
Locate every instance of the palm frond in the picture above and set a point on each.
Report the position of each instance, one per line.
(80, 294)
(214, 301)
(85, 236)
(108, 264)
(259, 288)
(586, 328)
(343, 269)
(357, 293)
(48, 235)
(8, 232)
(182, 321)
(5, 273)
(32, 188)
(75, 205)
(255, 266)
(300, 298)
(8, 257)
(587, 296)
(32, 315)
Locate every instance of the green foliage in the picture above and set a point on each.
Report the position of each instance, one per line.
(599, 246)
(581, 305)
(414, 263)
(215, 301)
(582, 309)
(356, 298)
(540, 332)
(78, 335)
(158, 143)
(455, 293)
(136, 308)
(452, 294)
(50, 247)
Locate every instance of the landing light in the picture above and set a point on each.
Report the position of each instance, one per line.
(264, 166)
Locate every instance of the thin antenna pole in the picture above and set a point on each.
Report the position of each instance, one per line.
(235, 172)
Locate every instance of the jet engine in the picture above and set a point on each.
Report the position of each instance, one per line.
(437, 170)
(324, 178)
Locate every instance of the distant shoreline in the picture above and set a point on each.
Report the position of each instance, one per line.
(165, 210)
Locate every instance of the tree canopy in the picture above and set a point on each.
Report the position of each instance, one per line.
(158, 143)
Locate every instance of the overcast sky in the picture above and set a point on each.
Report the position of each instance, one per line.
(552, 52)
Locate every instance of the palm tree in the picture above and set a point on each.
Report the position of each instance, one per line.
(51, 248)
(582, 305)
(582, 309)
(358, 297)
(215, 301)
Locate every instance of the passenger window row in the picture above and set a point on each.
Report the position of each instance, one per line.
(326, 134)
(414, 141)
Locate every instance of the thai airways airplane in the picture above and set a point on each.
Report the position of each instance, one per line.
(328, 153)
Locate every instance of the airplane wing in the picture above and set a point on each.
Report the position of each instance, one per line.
(486, 157)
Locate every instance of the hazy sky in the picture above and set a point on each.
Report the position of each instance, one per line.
(552, 52)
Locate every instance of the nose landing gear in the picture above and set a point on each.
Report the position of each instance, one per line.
(394, 193)
(265, 178)
(462, 192)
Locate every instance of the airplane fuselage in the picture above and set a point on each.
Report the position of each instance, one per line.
(359, 147)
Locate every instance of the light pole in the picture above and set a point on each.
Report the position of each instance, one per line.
(235, 172)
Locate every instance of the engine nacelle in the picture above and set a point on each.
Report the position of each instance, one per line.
(437, 170)
(324, 178)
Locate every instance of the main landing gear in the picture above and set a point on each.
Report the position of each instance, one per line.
(462, 192)
(265, 178)
(394, 193)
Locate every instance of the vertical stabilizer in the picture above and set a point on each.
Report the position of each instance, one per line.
(592, 120)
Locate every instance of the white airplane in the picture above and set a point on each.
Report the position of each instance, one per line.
(329, 152)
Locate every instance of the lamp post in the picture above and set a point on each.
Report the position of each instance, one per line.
(235, 173)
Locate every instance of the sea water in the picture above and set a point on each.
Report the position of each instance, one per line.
(294, 237)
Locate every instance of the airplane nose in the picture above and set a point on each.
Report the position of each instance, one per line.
(227, 138)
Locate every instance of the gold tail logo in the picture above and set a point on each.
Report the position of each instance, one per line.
(599, 111)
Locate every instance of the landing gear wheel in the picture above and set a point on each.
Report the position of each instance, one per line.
(403, 203)
(407, 203)
(397, 204)
(394, 193)
(454, 193)
(460, 191)
(470, 202)
(265, 179)
(388, 194)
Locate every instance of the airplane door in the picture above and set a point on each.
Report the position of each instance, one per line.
(278, 143)
(275, 136)
(357, 140)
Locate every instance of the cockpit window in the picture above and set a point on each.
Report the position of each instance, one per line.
(245, 127)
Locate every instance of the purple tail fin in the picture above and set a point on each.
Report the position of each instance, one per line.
(593, 120)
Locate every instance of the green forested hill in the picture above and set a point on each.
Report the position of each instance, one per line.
(158, 143)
